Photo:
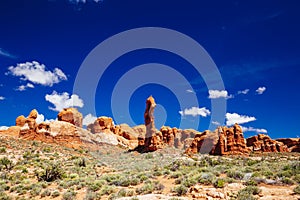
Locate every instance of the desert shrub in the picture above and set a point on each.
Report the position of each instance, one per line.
(81, 162)
(69, 195)
(287, 173)
(55, 194)
(91, 196)
(188, 182)
(4, 196)
(50, 173)
(6, 163)
(96, 185)
(2, 150)
(35, 190)
(147, 188)
(107, 190)
(287, 181)
(251, 182)
(219, 183)
(235, 174)
(296, 178)
(46, 193)
(206, 178)
(297, 189)
(248, 192)
(176, 175)
(180, 190)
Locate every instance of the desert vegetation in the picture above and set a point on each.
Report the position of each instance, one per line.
(36, 170)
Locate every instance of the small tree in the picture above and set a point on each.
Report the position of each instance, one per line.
(50, 173)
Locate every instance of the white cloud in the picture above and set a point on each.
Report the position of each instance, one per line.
(190, 91)
(64, 100)
(40, 118)
(232, 118)
(89, 119)
(243, 91)
(24, 87)
(251, 129)
(216, 123)
(37, 73)
(6, 54)
(215, 94)
(2, 98)
(3, 128)
(261, 90)
(194, 111)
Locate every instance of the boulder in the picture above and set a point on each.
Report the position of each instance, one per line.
(71, 115)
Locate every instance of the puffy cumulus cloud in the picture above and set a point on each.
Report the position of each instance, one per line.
(261, 90)
(24, 87)
(243, 91)
(37, 73)
(251, 129)
(232, 118)
(216, 94)
(194, 111)
(2, 98)
(63, 100)
(89, 119)
(3, 128)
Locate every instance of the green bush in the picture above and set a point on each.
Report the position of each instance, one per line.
(181, 190)
(287, 181)
(248, 192)
(50, 173)
(6, 163)
(2, 150)
(219, 183)
(69, 195)
(235, 174)
(297, 189)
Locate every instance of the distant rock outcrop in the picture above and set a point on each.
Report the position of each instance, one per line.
(71, 115)
(263, 143)
(202, 142)
(293, 144)
(231, 141)
(222, 141)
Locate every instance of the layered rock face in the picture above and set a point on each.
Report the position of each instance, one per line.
(263, 143)
(70, 115)
(293, 144)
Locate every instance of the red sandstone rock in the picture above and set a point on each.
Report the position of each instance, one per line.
(202, 142)
(20, 121)
(293, 144)
(70, 115)
(263, 143)
(231, 141)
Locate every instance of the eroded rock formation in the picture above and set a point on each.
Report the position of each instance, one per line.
(263, 143)
(231, 141)
(293, 144)
(71, 115)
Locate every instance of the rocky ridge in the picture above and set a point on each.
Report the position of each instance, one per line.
(68, 131)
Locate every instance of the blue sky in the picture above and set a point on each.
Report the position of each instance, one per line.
(255, 46)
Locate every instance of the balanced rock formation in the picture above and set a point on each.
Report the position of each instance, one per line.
(70, 115)
(293, 144)
(263, 143)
